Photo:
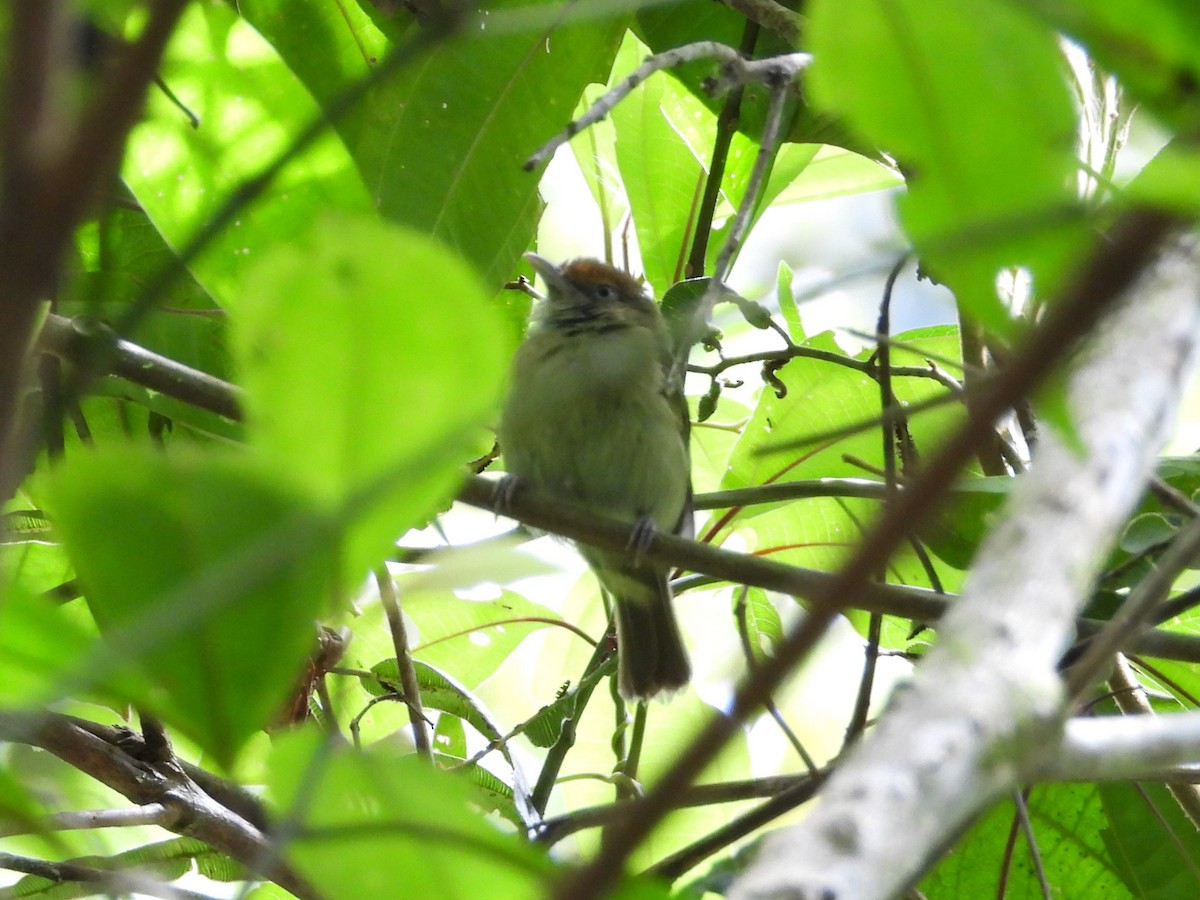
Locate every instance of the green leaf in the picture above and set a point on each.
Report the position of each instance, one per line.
(358, 387)
(1067, 820)
(1171, 180)
(491, 794)
(823, 398)
(441, 144)
(122, 252)
(471, 639)
(595, 151)
(19, 808)
(1053, 407)
(955, 532)
(437, 692)
(787, 301)
(449, 737)
(835, 172)
(1154, 845)
(250, 107)
(1145, 531)
(545, 726)
(1152, 45)
(204, 577)
(943, 87)
(119, 255)
(380, 824)
(763, 624)
(662, 172)
(40, 645)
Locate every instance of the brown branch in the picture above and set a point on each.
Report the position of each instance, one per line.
(47, 189)
(726, 128)
(551, 831)
(109, 881)
(197, 814)
(404, 662)
(70, 339)
(550, 514)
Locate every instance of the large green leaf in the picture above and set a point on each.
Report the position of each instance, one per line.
(973, 103)
(356, 381)
(378, 824)
(662, 172)
(250, 108)
(1153, 843)
(470, 639)
(1067, 820)
(119, 255)
(440, 145)
(40, 645)
(825, 399)
(1152, 45)
(205, 578)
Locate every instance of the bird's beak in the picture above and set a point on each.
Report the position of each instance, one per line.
(550, 273)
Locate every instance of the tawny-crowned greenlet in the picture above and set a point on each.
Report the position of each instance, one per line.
(594, 415)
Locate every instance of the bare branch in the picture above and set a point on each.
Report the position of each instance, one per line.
(149, 814)
(197, 814)
(404, 663)
(70, 339)
(735, 69)
(1125, 748)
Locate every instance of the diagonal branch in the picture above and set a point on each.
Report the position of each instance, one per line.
(197, 814)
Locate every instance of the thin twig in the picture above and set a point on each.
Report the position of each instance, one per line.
(693, 854)
(743, 627)
(734, 70)
(86, 820)
(1022, 816)
(404, 663)
(893, 421)
(540, 796)
(1135, 611)
(69, 338)
(726, 128)
(108, 881)
(551, 831)
(1130, 697)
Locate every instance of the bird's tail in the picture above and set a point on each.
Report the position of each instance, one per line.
(652, 657)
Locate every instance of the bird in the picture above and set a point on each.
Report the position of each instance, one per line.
(596, 415)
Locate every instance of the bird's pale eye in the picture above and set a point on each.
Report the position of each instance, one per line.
(605, 292)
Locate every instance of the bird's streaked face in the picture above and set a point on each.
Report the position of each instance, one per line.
(588, 295)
